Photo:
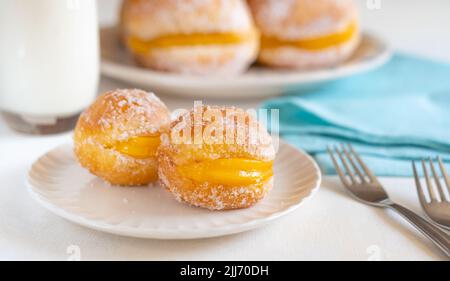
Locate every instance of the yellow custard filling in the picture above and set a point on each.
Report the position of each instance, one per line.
(181, 40)
(139, 147)
(234, 171)
(314, 44)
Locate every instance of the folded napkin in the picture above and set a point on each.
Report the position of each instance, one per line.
(392, 115)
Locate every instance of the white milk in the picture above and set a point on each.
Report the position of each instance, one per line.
(49, 57)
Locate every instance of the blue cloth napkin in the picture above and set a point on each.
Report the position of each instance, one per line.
(392, 115)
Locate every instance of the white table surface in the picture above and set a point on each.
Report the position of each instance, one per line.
(331, 226)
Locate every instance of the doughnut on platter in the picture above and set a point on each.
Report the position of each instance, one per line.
(258, 81)
(58, 182)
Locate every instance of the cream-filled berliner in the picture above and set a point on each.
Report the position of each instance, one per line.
(117, 137)
(306, 33)
(217, 158)
(190, 36)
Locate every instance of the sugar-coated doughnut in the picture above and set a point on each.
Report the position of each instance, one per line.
(117, 137)
(217, 158)
(306, 33)
(190, 36)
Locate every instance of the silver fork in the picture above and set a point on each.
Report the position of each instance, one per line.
(438, 206)
(364, 186)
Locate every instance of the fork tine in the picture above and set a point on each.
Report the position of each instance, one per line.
(362, 164)
(422, 198)
(444, 174)
(346, 166)
(338, 169)
(428, 182)
(436, 179)
(355, 167)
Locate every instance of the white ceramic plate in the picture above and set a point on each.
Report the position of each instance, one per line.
(257, 82)
(61, 185)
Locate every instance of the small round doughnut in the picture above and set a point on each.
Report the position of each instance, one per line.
(306, 34)
(203, 163)
(117, 137)
(191, 36)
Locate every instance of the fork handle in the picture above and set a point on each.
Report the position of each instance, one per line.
(435, 234)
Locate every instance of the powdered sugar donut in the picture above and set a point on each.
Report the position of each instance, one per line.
(203, 163)
(117, 137)
(190, 36)
(306, 33)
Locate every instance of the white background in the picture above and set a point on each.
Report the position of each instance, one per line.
(330, 226)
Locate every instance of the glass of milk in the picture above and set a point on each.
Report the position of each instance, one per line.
(49, 62)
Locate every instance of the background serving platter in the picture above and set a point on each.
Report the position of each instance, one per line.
(61, 185)
(256, 82)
